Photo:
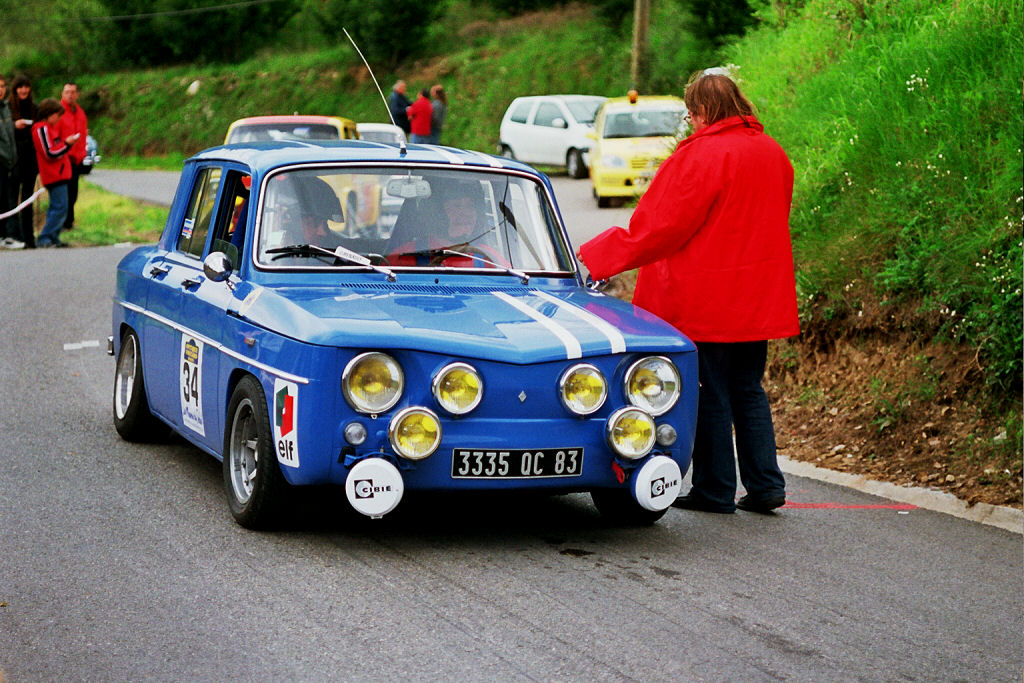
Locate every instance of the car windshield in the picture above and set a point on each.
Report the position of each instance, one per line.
(642, 123)
(584, 110)
(408, 217)
(264, 132)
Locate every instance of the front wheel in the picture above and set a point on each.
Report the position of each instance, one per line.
(132, 418)
(618, 507)
(574, 164)
(254, 484)
(506, 152)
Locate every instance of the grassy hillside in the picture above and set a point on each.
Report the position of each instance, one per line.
(903, 119)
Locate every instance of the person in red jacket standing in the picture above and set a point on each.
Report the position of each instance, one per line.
(711, 239)
(73, 122)
(420, 114)
(54, 167)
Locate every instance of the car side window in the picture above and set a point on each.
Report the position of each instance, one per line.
(520, 112)
(546, 115)
(196, 226)
(229, 232)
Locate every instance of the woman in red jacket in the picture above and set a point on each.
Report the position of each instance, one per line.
(711, 239)
(54, 168)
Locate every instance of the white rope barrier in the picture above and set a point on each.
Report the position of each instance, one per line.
(21, 206)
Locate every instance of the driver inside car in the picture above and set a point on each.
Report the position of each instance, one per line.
(457, 207)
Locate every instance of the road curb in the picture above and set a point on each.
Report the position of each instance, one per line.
(1010, 519)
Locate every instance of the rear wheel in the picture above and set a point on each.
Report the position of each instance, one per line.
(574, 164)
(132, 418)
(618, 507)
(254, 483)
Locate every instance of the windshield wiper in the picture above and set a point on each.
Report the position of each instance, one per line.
(511, 271)
(339, 254)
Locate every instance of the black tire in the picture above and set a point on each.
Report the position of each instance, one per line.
(252, 478)
(618, 507)
(132, 418)
(604, 202)
(574, 164)
(506, 152)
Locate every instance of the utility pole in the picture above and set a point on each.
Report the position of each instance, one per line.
(639, 68)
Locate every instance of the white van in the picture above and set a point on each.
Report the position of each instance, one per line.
(550, 130)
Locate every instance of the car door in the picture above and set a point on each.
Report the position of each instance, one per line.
(182, 357)
(550, 130)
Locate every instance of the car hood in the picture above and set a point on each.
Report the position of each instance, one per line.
(659, 147)
(505, 324)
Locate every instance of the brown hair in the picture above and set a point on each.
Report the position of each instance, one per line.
(438, 93)
(715, 97)
(16, 103)
(47, 108)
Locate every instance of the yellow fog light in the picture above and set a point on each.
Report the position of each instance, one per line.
(653, 384)
(372, 382)
(415, 433)
(458, 388)
(630, 433)
(583, 389)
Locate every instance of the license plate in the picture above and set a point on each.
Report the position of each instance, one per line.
(534, 463)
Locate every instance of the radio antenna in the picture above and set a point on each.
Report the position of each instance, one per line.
(401, 149)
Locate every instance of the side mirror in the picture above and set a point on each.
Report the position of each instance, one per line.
(591, 134)
(559, 123)
(217, 266)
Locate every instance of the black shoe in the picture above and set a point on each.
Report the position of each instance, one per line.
(762, 505)
(692, 502)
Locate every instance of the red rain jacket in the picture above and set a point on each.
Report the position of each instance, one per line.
(74, 120)
(419, 116)
(51, 154)
(711, 238)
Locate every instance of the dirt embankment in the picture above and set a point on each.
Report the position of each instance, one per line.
(865, 395)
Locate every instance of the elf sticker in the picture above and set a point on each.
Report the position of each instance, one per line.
(192, 384)
(286, 406)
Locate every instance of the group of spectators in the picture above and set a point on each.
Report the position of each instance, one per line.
(423, 119)
(47, 141)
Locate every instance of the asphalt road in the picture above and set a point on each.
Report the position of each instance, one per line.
(121, 561)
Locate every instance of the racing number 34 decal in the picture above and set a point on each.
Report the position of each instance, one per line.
(191, 382)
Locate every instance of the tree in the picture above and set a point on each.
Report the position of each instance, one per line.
(387, 31)
(172, 31)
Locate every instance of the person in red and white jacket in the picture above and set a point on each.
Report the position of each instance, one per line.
(73, 122)
(54, 167)
(711, 239)
(420, 114)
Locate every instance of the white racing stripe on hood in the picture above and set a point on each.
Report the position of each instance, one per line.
(615, 337)
(572, 345)
(452, 158)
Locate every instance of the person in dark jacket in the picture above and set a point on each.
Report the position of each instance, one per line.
(398, 103)
(711, 239)
(54, 167)
(8, 162)
(23, 110)
(439, 104)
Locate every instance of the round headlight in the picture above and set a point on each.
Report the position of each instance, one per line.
(653, 384)
(630, 433)
(583, 389)
(458, 388)
(415, 433)
(372, 382)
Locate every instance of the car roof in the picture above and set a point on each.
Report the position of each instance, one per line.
(365, 125)
(264, 156)
(562, 97)
(290, 118)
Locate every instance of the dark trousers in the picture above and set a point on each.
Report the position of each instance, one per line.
(24, 185)
(731, 396)
(76, 170)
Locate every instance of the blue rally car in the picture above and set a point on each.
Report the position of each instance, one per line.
(388, 319)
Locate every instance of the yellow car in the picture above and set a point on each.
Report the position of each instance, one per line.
(360, 197)
(632, 136)
(294, 127)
